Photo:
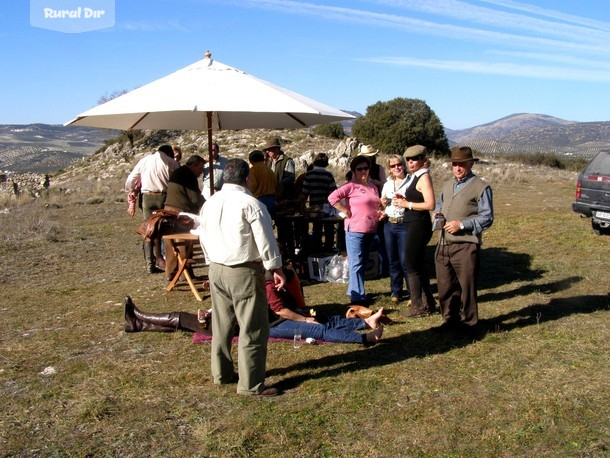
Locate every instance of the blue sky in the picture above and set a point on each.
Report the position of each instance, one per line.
(471, 61)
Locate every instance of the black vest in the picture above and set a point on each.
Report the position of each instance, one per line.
(413, 195)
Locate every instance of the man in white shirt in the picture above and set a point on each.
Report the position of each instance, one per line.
(237, 235)
(152, 174)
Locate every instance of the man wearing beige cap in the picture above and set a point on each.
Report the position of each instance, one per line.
(466, 204)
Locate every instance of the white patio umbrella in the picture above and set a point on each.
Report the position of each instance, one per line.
(209, 95)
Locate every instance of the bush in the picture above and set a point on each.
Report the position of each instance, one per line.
(393, 126)
(330, 130)
(574, 164)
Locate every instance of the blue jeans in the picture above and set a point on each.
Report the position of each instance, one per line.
(269, 201)
(358, 246)
(396, 248)
(336, 329)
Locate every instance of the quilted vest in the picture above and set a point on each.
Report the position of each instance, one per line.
(460, 206)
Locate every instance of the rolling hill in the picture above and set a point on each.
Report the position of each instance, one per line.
(44, 148)
(532, 133)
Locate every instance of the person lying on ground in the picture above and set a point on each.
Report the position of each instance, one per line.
(285, 317)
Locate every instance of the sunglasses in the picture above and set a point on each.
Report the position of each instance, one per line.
(392, 166)
(362, 169)
(416, 158)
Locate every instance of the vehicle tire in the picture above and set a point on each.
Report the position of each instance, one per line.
(598, 230)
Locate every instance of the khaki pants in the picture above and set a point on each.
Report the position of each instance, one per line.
(239, 297)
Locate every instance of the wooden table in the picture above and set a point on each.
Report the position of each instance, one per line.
(174, 242)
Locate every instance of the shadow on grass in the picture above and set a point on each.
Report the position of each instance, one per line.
(547, 288)
(500, 267)
(419, 344)
(556, 309)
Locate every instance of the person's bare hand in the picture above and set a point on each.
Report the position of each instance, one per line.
(399, 201)
(452, 227)
(311, 320)
(279, 279)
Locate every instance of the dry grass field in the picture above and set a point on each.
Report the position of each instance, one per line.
(72, 383)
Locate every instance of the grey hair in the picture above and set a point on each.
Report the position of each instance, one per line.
(194, 160)
(236, 171)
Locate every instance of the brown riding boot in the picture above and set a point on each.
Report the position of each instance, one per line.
(137, 321)
(417, 307)
(149, 256)
(429, 301)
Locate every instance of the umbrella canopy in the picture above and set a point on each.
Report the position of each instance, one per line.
(209, 95)
(181, 100)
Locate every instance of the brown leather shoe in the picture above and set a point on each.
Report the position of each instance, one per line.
(268, 392)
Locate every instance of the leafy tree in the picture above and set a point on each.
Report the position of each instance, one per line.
(393, 126)
(330, 130)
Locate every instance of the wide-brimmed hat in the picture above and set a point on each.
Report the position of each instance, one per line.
(462, 154)
(415, 150)
(274, 142)
(368, 150)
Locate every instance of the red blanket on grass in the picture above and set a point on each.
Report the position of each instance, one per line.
(201, 338)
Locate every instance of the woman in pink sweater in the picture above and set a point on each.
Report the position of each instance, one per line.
(362, 210)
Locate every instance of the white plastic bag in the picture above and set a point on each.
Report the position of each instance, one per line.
(337, 270)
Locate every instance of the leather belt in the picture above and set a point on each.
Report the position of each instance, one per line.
(395, 220)
(157, 193)
(250, 264)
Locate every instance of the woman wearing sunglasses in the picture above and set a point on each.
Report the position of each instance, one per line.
(395, 228)
(417, 201)
(362, 214)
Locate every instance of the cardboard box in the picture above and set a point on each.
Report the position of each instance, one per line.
(318, 265)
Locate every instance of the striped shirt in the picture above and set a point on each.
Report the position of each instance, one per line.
(318, 184)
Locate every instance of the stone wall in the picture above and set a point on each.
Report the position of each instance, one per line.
(17, 184)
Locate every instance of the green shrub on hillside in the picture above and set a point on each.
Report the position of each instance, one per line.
(393, 126)
(330, 130)
(552, 160)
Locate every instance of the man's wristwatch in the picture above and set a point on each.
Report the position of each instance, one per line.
(461, 225)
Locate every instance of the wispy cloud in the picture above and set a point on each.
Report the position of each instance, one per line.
(558, 58)
(170, 25)
(506, 69)
(553, 14)
(517, 30)
(593, 32)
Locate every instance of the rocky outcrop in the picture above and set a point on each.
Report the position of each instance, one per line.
(13, 185)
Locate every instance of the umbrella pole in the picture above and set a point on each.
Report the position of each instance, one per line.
(210, 154)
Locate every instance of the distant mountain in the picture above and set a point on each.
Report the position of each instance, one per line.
(530, 133)
(44, 148)
(347, 125)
